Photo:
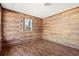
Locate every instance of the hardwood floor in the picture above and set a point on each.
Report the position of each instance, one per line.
(40, 48)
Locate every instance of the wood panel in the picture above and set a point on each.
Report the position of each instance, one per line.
(40, 48)
(63, 28)
(13, 28)
(0, 27)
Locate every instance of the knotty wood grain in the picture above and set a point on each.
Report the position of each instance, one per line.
(40, 48)
(63, 28)
(13, 32)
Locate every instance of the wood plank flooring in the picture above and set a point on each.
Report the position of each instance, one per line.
(40, 48)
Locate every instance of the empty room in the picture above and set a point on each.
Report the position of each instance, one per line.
(39, 29)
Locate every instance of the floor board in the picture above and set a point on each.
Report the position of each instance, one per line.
(40, 48)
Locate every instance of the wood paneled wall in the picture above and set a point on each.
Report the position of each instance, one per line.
(63, 28)
(13, 28)
(0, 27)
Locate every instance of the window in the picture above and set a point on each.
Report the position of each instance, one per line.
(27, 25)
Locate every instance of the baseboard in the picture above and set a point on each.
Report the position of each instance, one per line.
(66, 44)
(17, 42)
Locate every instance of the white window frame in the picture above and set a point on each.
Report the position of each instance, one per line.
(26, 24)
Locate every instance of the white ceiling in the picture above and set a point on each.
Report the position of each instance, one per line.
(40, 10)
